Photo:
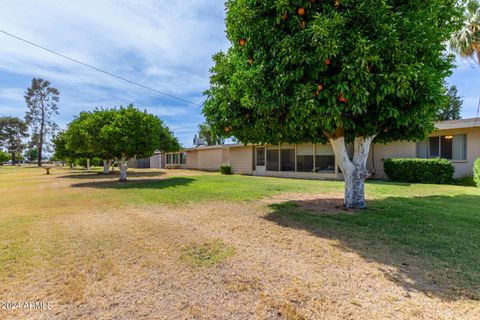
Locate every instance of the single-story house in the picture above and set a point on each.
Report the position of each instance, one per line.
(456, 140)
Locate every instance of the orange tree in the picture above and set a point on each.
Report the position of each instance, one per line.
(340, 71)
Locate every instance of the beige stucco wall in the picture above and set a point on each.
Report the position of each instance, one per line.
(226, 156)
(241, 159)
(192, 159)
(208, 159)
(380, 152)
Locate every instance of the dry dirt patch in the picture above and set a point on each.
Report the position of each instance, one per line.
(331, 203)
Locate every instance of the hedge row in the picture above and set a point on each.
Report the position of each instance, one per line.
(476, 172)
(438, 171)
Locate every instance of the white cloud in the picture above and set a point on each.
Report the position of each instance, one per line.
(12, 94)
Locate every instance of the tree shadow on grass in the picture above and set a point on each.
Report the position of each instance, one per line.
(137, 183)
(430, 244)
(111, 175)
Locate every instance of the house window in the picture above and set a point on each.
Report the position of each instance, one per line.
(273, 160)
(287, 158)
(324, 158)
(451, 147)
(305, 158)
(169, 159)
(183, 158)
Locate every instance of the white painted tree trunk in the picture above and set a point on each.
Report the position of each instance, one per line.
(354, 171)
(88, 164)
(123, 167)
(106, 166)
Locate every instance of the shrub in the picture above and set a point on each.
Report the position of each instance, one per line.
(476, 172)
(439, 171)
(4, 157)
(466, 181)
(225, 169)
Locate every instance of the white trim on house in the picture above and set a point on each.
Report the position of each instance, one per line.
(458, 124)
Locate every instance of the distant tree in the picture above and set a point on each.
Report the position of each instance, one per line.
(12, 132)
(82, 136)
(122, 134)
(338, 71)
(466, 41)
(4, 157)
(452, 107)
(31, 154)
(206, 133)
(62, 152)
(41, 100)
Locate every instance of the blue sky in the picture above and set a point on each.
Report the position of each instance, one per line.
(165, 44)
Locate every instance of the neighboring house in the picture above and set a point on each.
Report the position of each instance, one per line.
(163, 160)
(456, 140)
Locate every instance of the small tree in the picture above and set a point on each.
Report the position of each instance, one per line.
(452, 106)
(122, 134)
(41, 100)
(340, 71)
(12, 132)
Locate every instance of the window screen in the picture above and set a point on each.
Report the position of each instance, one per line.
(272, 160)
(287, 159)
(324, 158)
(305, 158)
(434, 147)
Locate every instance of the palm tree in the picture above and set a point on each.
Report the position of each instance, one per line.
(466, 41)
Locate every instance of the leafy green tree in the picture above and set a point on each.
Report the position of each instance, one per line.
(12, 132)
(122, 134)
(4, 157)
(452, 106)
(41, 99)
(339, 71)
(466, 41)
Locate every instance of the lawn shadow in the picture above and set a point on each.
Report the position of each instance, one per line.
(430, 244)
(102, 176)
(136, 183)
